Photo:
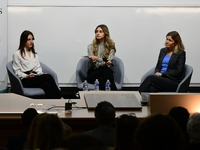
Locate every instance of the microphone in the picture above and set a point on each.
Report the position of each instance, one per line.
(105, 60)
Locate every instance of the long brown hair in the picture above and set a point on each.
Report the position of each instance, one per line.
(23, 40)
(176, 37)
(49, 132)
(108, 42)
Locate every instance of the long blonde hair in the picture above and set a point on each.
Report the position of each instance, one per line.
(176, 37)
(108, 43)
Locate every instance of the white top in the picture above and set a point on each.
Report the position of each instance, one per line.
(21, 65)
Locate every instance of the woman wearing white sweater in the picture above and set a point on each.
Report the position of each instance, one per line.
(27, 67)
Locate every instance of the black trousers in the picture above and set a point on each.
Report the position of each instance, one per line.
(155, 83)
(102, 74)
(46, 82)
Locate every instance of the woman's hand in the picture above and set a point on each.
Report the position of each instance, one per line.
(158, 74)
(93, 58)
(108, 63)
(31, 75)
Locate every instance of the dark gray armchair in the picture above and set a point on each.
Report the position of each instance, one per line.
(83, 66)
(183, 85)
(17, 87)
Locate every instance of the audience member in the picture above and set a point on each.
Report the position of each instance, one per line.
(193, 128)
(125, 128)
(47, 132)
(159, 132)
(17, 141)
(181, 116)
(83, 142)
(31, 135)
(105, 115)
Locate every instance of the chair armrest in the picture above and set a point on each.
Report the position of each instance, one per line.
(46, 69)
(150, 72)
(15, 82)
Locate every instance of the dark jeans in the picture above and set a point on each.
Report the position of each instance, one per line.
(46, 82)
(102, 74)
(155, 83)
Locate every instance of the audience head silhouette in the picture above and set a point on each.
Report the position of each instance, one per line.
(47, 132)
(181, 116)
(159, 132)
(28, 116)
(126, 125)
(105, 112)
(105, 116)
(193, 128)
(17, 141)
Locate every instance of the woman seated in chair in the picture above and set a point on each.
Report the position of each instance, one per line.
(101, 52)
(169, 70)
(27, 67)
